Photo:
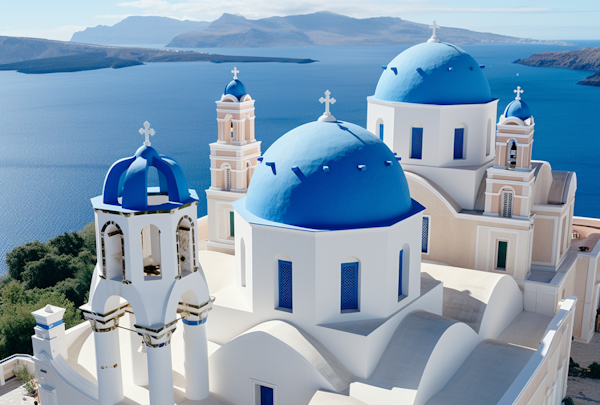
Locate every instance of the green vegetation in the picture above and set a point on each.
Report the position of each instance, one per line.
(593, 371)
(57, 272)
(22, 373)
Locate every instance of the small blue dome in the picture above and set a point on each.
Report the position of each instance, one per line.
(128, 178)
(518, 109)
(328, 175)
(236, 88)
(433, 73)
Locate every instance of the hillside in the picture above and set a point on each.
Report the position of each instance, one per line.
(34, 55)
(325, 28)
(581, 59)
(138, 30)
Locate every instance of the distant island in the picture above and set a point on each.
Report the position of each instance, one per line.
(316, 29)
(581, 59)
(36, 56)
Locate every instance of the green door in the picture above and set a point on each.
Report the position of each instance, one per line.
(501, 262)
(231, 225)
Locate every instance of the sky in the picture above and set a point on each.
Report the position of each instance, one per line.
(538, 19)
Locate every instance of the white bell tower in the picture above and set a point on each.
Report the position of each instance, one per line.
(233, 159)
(148, 275)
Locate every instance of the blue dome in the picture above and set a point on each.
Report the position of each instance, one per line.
(128, 178)
(236, 88)
(328, 175)
(433, 73)
(517, 108)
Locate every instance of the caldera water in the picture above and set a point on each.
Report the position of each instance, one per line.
(59, 133)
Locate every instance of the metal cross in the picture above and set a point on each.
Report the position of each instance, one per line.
(327, 100)
(147, 132)
(518, 91)
(235, 72)
(433, 27)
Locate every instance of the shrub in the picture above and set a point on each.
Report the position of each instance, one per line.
(594, 370)
(22, 373)
(568, 401)
(18, 258)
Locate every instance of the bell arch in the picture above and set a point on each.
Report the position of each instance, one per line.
(112, 243)
(186, 247)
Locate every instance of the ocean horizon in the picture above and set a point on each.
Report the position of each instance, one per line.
(61, 132)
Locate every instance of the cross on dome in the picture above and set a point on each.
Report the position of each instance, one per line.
(147, 131)
(519, 91)
(235, 71)
(327, 117)
(434, 38)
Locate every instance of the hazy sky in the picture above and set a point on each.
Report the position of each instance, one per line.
(541, 19)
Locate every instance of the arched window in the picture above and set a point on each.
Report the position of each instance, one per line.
(460, 141)
(416, 141)
(349, 287)
(507, 203)
(285, 285)
(488, 142)
(151, 251)
(403, 271)
(511, 154)
(186, 246)
(226, 176)
(113, 252)
(243, 263)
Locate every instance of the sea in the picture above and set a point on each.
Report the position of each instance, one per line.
(60, 133)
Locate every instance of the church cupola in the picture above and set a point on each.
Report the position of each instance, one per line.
(233, 159)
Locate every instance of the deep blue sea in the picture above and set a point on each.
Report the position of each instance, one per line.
(59, 133)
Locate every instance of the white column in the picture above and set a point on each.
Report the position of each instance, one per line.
(108, 363)
(196, 357)
(160, 370)
(139, 361)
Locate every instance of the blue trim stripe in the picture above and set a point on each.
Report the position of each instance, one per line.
(194, 323)
(51, 326)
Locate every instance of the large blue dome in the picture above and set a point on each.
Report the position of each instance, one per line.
(517, 108)
(433, 73)
(127, 179)
(235, 88)
(328, 175)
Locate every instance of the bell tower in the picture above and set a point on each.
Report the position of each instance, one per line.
(233, 159)
(509, 183)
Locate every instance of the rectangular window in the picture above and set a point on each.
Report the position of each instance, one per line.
(349, 297)
(459, 137)
(400, 263)
(501, 260)
(231, 224)
(381, 131)
(425, 235)
(416, 145)
(266, 395)
(285, 285)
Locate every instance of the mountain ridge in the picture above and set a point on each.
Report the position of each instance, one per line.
(580, 59)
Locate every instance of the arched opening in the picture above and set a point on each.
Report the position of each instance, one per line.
(248, 173)
(511, 154)
(226, 176)
(151, 251)
(403, 271)
(186, 247)
(113, 252)
(243, 262)
(350, 285)
(507, 195)
(460, 141)
(416, 141)
(488, 142)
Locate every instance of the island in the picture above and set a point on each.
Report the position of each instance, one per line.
(581, 59)
(35, 56)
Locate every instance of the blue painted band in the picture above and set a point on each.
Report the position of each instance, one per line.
(194, 323)
(52, 325)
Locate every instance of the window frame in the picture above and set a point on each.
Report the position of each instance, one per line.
(497, 255)
(279, 307)
(357, 288)
(412, 143)
(459, 133)
(428, 235)
(255, 391)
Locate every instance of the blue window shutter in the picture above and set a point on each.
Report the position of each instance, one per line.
(266, 395)
(416, 149)
(425, 235)
(285, 284)
(459, 136)
(400, 263)
(381, 131)
(349, 295)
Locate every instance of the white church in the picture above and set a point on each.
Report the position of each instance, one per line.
(423, 260)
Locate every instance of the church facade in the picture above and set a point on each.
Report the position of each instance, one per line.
(397, 264)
